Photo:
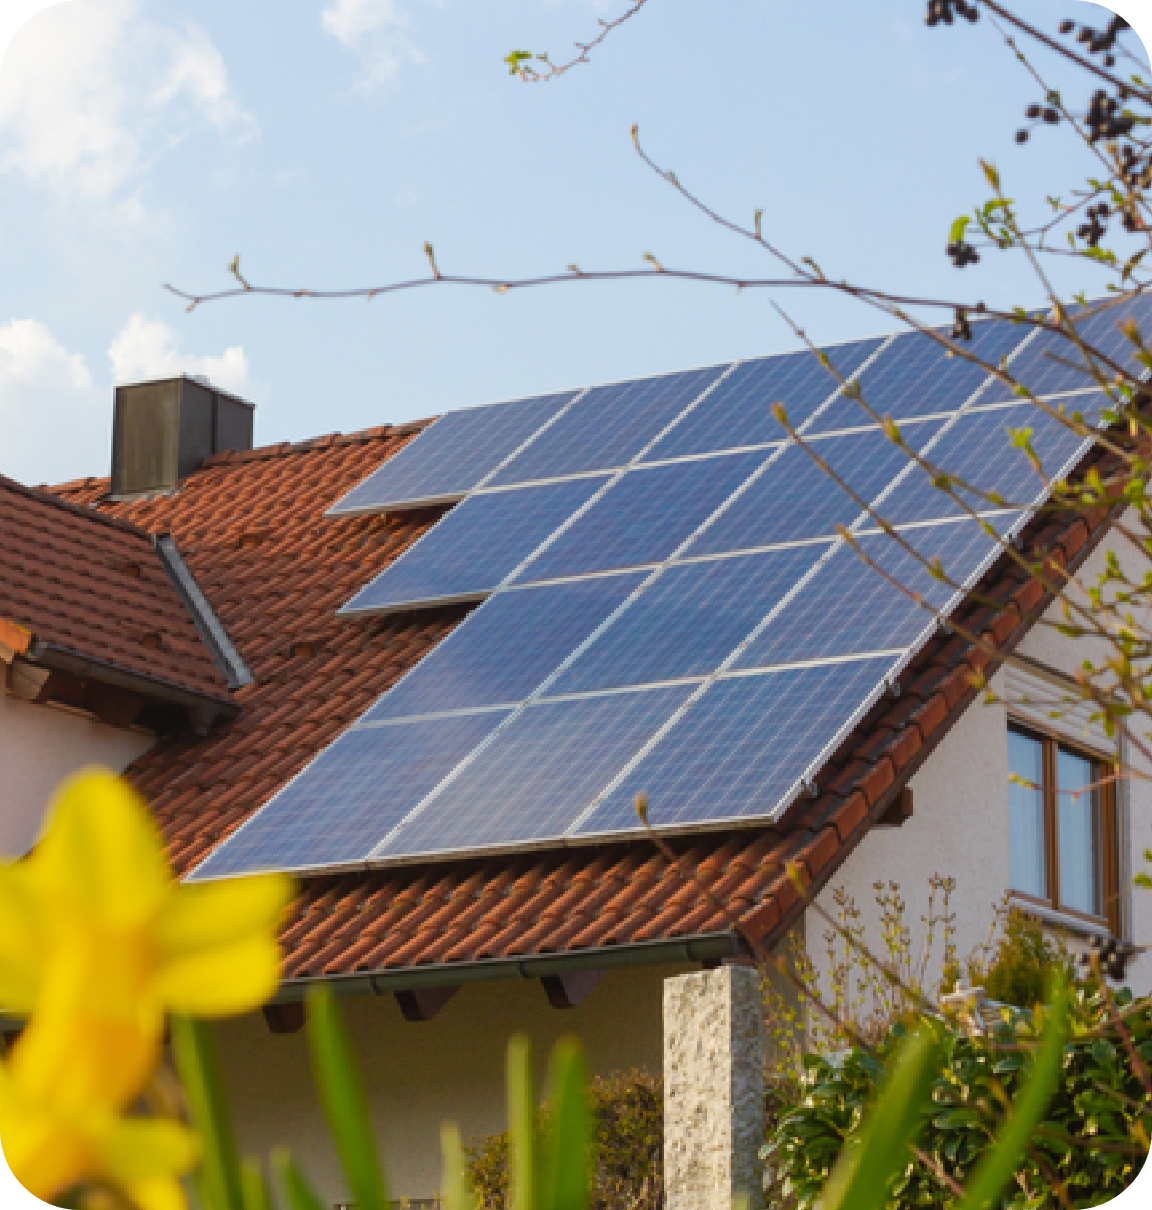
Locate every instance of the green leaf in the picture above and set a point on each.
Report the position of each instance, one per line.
(880, 1151)
(219, 1178)
(298, 1191)
(564, 1176)
(1002, 1159)
(521, 1126)
(454, 1188)
(1143, 882)
(959, 226)
(342, 1096)
(252, 1185)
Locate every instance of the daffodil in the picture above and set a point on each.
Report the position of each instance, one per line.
(94, 918)
(55, 1135)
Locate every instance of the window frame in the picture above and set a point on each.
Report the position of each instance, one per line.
(1103, 765)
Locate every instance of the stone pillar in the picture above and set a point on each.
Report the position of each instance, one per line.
(713, 1088)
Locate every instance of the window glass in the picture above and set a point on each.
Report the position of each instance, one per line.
(1079, 836)
(1026, 863)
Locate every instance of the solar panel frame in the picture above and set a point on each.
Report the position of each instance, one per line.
(515, 787)
(777, 378)
(422, 474)
(792, 499)
(917, 366)
(583, 443)
(425, 752)
(430, 572)
(697, 733)
(471, 668)
(644, 517)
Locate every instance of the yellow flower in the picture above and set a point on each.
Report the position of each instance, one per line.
(94, 913)
(53, 1138)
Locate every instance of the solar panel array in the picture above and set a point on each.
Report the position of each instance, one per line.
(668, 602)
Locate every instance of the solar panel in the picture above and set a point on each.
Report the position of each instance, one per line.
(739, 751)
(466, 554)
(848, 607)
(350, 796)
(916, 375)
(608, 426)
(978, 450)
(738, 412)
(644, 517)
(794, 499)
(688, 621)
(452, 456)
(506, 648)
(538, 774)
(720, 670)
(1050, 363)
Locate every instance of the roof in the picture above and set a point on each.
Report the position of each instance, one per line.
(252, 530)
(93, 588)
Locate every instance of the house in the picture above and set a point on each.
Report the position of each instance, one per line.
(101, 655)
(336, 570)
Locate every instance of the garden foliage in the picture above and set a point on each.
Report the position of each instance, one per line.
(1092, 1138)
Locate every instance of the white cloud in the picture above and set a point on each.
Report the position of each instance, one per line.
(55, 421)
(377, 31)
(146, 348)
(90, 92)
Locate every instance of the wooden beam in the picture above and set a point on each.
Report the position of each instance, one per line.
(570, 991)
(898, 811)
(285, 1018)
(424, 1003)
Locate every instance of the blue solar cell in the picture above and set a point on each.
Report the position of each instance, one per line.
(739, 749)
(688, 621)
(504, 650)
(644, 517)
(449, 458)
(609, 426)
(739, 411)
(848, 607)
(536, 777)
(467, 553)
(796, 499)
(351, 796)
(978, 450)
(1051, 363)
(915, 376)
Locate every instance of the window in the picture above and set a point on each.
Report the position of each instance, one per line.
(1062, 849)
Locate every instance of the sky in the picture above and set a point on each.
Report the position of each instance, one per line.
(324, 141)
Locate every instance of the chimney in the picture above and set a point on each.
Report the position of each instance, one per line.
(163, 430)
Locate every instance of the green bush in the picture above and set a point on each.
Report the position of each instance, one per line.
(1099, 1103)
(628, 1130)
(1022, 964)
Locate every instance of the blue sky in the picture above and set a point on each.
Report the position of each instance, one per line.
(145, 141)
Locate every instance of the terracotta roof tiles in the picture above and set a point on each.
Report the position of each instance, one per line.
(94, 586)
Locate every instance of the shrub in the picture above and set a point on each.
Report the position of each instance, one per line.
(628, 1115)
(1022, 963)
(1094, 1138)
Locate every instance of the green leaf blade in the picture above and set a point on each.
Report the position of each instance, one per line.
(345, 1105)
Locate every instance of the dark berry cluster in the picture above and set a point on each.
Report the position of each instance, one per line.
(1106, 120)
(961, 328)
(1113, 960)
(1093, 230)
(1097, 41)
(947, 11)
(1036, 113)
(962, 253)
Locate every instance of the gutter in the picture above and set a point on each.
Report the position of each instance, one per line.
(60, 659)
(224, 652)
(706, 947)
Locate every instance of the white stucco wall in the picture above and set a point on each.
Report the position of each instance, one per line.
(419, 1074)
(960, 822)
(39, 747)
